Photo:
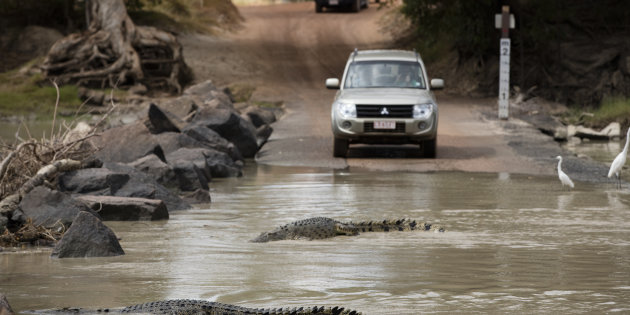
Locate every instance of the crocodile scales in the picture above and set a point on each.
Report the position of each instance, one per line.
(322, 227)
(201, 307)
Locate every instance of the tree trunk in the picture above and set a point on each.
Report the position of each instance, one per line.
(113, 52)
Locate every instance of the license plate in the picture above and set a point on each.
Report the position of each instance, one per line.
(384, 125)
(333, 2)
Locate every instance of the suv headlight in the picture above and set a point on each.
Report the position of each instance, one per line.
(422, 111)
(346, 110)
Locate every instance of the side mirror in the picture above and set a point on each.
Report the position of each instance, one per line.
(437, 84)
(332, 83)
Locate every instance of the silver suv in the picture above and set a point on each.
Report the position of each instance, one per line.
(384, 97)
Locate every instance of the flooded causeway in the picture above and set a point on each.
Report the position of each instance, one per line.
(513, 243)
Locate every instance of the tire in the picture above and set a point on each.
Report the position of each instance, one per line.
(356, 6)
(429, 148)
(318, 7)
(340, 147)
(367, 4)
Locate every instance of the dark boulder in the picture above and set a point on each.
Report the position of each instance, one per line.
(191, 175)
(156, 168)
(48, 207)
(211, 139)
(87, 237)
(142, 185)
(232, 127)
(182, 107)
(157, 121)
(93, 180)
(172, 141)
(117, 179)
(212, 163)
(262, 134)
(207, 92)
(112, 208)
(259, 116)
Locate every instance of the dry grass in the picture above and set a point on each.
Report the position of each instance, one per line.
(21, 161)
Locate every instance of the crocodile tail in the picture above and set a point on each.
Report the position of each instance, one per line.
(320, 310)
(392, 225)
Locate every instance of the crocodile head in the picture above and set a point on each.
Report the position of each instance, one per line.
(269, 236)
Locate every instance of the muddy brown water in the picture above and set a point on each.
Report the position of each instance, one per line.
(514, 243)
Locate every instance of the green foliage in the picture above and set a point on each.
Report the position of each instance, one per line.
(466, 25)
(612, 109)
(242, 92)
(23, 96)
(61, 14)
(469, 25)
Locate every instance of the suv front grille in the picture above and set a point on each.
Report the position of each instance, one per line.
(368, 126)
(389, 111)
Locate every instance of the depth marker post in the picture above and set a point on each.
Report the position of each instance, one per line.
(504, 21)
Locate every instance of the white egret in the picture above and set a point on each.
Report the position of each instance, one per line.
(619, 161)
(564, 178)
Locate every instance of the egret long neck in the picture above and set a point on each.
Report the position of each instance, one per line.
(625, 148)
(559, 169)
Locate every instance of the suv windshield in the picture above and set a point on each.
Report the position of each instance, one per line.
(384, 74)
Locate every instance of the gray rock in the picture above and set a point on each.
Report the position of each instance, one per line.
(48, 207)
(127, 143)
(87, 237)
(202, 89)
(612, 131)
(191, 176)
(232, 127)
(211, 162)
(172, 141)
(211, 139)
(157, 169)
(183, 106)
(259, 116)
(91, 180)
(112, 208)
(142, 185)
(209, 95)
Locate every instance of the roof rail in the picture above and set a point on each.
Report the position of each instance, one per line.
(417, 55)
(354, 53)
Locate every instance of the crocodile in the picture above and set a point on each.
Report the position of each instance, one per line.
(322, 227)
(200, 307)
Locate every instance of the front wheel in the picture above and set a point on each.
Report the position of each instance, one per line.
(429, 148)
(318, 8)
(340, 147)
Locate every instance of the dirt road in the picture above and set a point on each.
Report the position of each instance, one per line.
(287, 51)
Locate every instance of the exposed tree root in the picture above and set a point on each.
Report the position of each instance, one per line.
(113, 52)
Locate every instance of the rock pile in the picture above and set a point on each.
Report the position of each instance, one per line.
(161, 162)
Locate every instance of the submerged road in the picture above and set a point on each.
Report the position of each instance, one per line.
(287, 51)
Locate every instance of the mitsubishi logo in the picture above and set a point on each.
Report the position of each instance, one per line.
(384, 111)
